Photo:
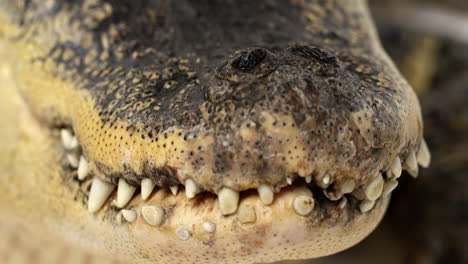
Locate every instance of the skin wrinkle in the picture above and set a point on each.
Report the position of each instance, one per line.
(149, 96)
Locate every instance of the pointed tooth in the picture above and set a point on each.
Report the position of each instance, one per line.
(153, 214)
(100, 191)
(266, 194)
(66, 136)
(191, 188)
(228, 200)
(174, 189)
(124, 193)
(73, 160)
(303, 204)
(412, 164)
(389, 186)
(69, 141)
(374, 189)
(83, 168)
(395, 169)
(424, 155)
(147, 186)
(129, 215)
(308, 179)
(366, 205)
(289, 180)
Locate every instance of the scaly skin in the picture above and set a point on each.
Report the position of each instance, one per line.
(151, 91)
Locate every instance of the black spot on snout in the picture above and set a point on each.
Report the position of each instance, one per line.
(248, 60)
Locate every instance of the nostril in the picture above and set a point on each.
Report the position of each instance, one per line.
(248, 60)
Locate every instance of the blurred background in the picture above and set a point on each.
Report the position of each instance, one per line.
(427, 222)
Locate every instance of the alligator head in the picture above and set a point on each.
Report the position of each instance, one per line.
(214, 131)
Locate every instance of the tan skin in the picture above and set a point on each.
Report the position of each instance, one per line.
(321, 119)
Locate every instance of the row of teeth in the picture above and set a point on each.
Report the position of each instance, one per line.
(228, 198)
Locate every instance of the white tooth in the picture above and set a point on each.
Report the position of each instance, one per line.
(129, 215)
(153, 214)
(326, 180)
(412, 164)
(209, 227)
(289, 180)
(308, 179)
(73, 160)
(66, 136)
(303, 204)
(100, 191)
(73, 143)
(389, 186)
(191, 188)
(424, 155)
(68, 140)
(266, 194)
(174, 189)
(124, 193)
(228, 200)
(374, 189)
(147, 186)
(83, 168)
(183, 233)
(348, 186)
(366, 205)
(395, 169)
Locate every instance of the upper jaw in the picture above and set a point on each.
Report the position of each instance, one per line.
(266, 118)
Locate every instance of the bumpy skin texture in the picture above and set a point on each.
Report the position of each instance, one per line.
(246, 95)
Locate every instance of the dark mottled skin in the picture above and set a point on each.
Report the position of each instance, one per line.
(159, 65)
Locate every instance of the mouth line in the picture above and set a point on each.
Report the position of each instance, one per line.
(129, 198)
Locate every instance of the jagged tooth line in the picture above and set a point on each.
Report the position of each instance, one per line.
(99, 193)
(124, 193)
(424, 155)
(147, 186)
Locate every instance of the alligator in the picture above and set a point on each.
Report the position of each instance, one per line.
(202, 131)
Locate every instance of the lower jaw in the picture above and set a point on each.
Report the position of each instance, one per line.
(276, 233)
